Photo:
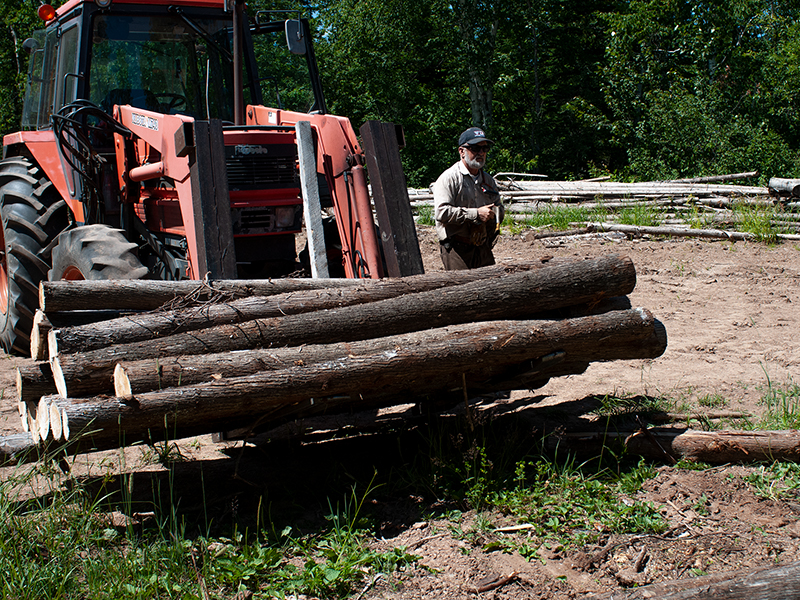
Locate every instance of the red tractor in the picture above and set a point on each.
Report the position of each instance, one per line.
(148, 150)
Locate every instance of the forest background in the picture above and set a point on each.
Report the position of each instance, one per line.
(635, 89)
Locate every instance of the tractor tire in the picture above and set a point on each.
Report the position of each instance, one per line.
(95, 252)
(32, 215)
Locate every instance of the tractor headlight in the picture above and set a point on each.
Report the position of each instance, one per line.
(103, 3)
(284, 216)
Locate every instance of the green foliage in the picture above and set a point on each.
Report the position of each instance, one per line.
(639, 89)
(64, 545)
(425, 215)
(19, 21)
(782, 405)
(776, 481)
(571, 504)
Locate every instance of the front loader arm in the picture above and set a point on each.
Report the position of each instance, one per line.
(163, 146)
(341, 160)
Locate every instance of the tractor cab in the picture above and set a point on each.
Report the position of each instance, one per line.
(172, 59)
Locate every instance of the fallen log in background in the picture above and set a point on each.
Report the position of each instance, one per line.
(715, 447)
(147, 326)
(509, 296)
(235, 402)
(770, 583)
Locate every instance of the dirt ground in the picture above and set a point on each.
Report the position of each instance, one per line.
(731, 315)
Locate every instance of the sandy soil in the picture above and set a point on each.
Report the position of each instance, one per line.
(730, 311)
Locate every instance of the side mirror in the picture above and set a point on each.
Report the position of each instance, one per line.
(30, 45)
(295, 36)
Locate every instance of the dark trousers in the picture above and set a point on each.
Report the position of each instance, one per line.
(457, 256)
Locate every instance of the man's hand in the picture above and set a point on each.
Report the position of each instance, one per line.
(486, 212)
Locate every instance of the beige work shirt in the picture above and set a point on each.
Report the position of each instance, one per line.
(456, 199)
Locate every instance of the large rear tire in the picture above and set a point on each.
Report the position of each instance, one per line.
(95, 252)
(32, 214)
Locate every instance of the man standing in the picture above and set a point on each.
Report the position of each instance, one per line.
(467, 206)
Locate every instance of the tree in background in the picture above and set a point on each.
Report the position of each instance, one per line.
(19, 21)
(693, 88)
(639, 89)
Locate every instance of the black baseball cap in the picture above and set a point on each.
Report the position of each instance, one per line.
(473, 135)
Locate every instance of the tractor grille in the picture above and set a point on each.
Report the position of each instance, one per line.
(262, 220)
(261, 167)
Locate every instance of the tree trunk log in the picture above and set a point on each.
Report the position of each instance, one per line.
(510, 296)
(148, 326)
(490, 350)
(146, 294)
(715, 447)
(44, 323)
(717, 234)
(784, 187)
(134, 294)
(131, 378)
(770, 583)
(17, 447)
(34, 381)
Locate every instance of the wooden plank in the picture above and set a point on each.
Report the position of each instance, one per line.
(212, 212)
(390, 196)
(312, 207)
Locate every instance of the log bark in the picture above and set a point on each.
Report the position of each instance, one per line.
(44, 323)
(17, 447)
(491, 349)
(717, 234)
(132, 378)
(148, 326)
(132, 294)
(770, 583)
(717, 178)
(34, 381)
(142, 294)
(714, 447)
(509, 296)
(784, 187)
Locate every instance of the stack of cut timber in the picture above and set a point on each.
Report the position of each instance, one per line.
(218, 358)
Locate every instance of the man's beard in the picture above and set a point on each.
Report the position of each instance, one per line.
(475, 163)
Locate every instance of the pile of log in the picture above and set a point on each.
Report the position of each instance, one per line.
(231, 355)
(700, 207)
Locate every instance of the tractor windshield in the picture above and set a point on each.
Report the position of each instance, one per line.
(167, 64)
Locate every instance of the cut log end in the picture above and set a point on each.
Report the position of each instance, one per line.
(58, 376)
(52, 344)
(22, 408)
(55, 421)
(43, 419)
(39, 334)
(64, 425)
(122, 383)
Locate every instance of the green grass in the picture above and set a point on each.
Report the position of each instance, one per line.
(63, 545)
(641, 215)
(564, 501)
(425, 215)
(572, 504)
(757, 220)
(777, 481)
(781, 403)
(555, 217)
